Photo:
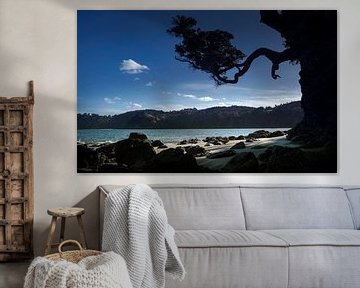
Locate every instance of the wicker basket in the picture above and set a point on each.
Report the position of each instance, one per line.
(72, 256)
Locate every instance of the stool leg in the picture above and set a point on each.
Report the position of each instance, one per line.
(51, 235)
(82, 232)
(62, 230)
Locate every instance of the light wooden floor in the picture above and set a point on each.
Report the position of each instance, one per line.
(12, 274)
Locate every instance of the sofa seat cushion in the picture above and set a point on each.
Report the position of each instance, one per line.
(226, 238)
(317, 237)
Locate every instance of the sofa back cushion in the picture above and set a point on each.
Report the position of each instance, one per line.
(354, 198)
(296, 208)
(203, 208)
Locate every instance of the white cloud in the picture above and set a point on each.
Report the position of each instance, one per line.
(206, 99)
(202, 87)
(199, 98)
(112, 100)
(258, 102)
(189, 96)
(108, 100)
(149, 84)
(132, 67)
(133, 105)
(136, 79)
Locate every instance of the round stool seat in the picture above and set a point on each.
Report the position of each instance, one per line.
(66, 211)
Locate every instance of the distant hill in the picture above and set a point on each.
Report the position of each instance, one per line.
(282, 116)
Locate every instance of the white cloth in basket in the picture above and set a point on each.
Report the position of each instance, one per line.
(107, 270)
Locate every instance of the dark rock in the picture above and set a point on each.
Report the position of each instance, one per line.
(287, 160)
(216, 140)
(259, 147)
(224, 140)
(137, 136)
(244, 162)
(103, 158)
(239, 145)
(298, 160)
(222, 154)
(108, 150)
(240, 137)
(266, 154)
(196, 151)
(276, 134)
(207, 144)
(249, 140)
(157, 143)
(87, 157)
(193, 141)
(113, 168)
(186, 148)
(163, 146)
(173, 160)
(131, 151)
(232, 138)
(183, 142)
(181, 149)
(259, 134)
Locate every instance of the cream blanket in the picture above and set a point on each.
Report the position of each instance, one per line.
(103, 271)
(136, 227)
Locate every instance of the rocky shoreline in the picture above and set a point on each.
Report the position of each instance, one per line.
(258, 152)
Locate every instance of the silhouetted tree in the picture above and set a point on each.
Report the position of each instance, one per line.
(310, 40)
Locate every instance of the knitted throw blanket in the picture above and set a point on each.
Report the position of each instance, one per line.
(136, 227)
(103, 271)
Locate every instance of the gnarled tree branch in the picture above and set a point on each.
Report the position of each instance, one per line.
(275, 57)
(212, 51)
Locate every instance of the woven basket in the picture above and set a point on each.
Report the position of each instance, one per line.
(72, 256)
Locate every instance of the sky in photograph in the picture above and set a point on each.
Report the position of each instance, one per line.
(126, 61)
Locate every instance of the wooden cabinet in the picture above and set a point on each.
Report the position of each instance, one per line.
(16, 177)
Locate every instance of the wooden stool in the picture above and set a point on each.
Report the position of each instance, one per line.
(64, 213)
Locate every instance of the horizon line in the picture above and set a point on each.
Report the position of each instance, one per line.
(193, 108)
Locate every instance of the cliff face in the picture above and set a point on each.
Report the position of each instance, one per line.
(282, 116)
(312, 37)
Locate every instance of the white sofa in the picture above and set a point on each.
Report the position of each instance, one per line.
(241, 236)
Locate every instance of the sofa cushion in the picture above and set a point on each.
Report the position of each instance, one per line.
(199, 207)
(317, 237)
(354, 198)
(226, 238)
(296, 208)
(203, 208)
(224, 267)
(324, 266)
(322, 258)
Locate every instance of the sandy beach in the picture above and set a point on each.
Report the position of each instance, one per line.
(258, 146)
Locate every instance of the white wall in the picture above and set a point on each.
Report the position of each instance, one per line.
(38, 41)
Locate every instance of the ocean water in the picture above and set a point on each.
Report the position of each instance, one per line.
(165, 135)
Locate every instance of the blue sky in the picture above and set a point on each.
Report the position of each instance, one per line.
(126, 61)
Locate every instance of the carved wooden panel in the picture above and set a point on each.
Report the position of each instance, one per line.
(16, 177)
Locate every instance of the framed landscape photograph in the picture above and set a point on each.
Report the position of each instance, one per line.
(220, 91)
